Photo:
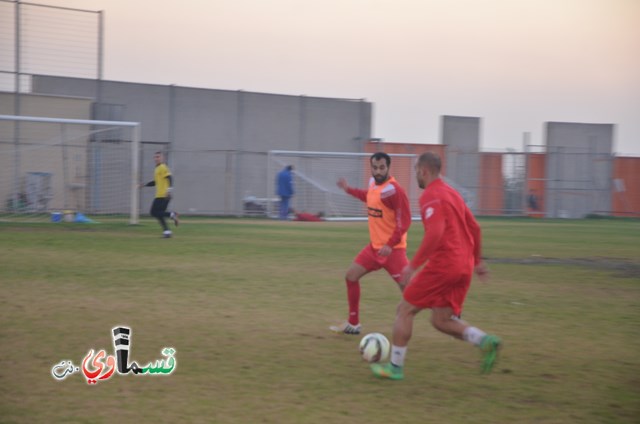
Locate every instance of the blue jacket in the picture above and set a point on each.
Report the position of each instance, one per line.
(284, 183)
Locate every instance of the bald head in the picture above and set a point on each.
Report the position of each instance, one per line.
(427, 168)
(431, 161)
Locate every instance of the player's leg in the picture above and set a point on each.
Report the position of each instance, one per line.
(174, 216)
(159, 209)
(402, 331)
(445, 320)
(395, 263)
(361, 266)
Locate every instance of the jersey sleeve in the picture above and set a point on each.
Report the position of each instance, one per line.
(358, 193)
(397, 200)
(433, 219)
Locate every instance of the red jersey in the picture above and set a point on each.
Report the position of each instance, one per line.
(451, 233)
(389, 213)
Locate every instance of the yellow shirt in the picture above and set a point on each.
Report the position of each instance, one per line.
(160, 177)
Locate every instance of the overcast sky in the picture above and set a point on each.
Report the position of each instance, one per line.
(514, 63)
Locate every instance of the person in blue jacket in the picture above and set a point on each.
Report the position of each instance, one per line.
(284, 189)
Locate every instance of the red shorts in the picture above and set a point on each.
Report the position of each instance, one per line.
(393, 264)
(432, 288)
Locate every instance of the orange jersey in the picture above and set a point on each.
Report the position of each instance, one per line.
(389, 213)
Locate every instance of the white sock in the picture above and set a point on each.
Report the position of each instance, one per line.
(397, 355)
(473, 335)
(166, 232)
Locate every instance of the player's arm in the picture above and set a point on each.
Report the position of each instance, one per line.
(433, 217)
(480, 267)
(474, 227)
(170, 187)
(398, 201)
(355, 192)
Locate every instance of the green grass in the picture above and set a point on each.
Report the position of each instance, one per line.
(247, 305)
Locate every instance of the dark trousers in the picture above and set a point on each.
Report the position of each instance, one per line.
(159, 211)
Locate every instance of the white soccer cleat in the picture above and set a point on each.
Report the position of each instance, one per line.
(346, 328)
(166, 234)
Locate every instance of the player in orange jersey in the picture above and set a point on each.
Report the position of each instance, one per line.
(389, 220)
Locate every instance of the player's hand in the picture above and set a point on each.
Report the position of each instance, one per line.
(342, 183)
(169, 192)
(482, 271)
(405, 275)
(385, 250)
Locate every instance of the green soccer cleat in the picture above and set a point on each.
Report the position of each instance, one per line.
(490, 345)
(387, 370)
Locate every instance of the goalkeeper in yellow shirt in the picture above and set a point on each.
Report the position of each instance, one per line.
(163, 183)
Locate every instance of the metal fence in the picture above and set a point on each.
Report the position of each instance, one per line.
(48, 40)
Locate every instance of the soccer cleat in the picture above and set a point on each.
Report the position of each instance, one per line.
(387, 370)
(346, 328)
(176, 218)
(490, 345)
(166, 234)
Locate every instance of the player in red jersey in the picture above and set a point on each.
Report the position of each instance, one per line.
(389, 220)
(451, 250)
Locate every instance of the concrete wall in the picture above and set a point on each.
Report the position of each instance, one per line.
(217, 140)
(579, 169)
(461, 136)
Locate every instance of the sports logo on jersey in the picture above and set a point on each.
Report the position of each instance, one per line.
(376, 213)
(428, 212)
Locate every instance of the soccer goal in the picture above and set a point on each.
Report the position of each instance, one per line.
(316, 174)
(54, 169)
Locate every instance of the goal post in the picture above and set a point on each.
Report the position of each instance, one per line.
(315, 176)
(79, 169)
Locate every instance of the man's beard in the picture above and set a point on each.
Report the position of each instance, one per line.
(381, 178)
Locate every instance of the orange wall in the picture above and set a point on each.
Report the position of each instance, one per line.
(491, 195)
(535, 181)
(626, 203)
(491, 190)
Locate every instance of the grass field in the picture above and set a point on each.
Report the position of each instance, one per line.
(247, 305)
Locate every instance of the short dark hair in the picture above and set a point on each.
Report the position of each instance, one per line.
(381, 155)
(431, 161)
(289, 167)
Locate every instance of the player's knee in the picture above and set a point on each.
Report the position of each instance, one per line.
(405, 309)
(439, 321)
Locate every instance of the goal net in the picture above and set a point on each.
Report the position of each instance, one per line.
(316, 174)
(54, 169)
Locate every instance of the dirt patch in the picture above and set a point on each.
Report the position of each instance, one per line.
(624, 268)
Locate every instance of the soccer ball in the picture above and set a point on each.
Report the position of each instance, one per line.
(374, 347)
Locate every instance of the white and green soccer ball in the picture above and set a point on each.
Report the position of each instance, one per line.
(375, 347)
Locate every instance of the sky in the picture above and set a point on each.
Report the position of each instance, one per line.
(514, 63)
